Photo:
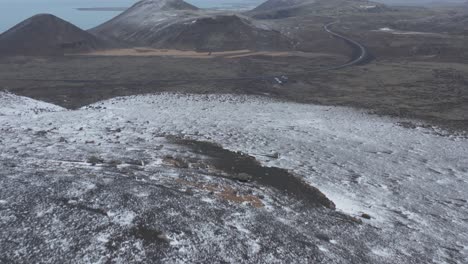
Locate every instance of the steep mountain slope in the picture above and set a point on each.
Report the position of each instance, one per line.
(45, 35)
(176, 24)
(137, 25)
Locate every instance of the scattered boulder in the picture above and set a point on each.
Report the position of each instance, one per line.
(93, 160)
(366, 216)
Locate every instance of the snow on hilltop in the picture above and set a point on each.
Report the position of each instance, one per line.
(11, 104)
(165, 5)
(138, 24)
(278, 4)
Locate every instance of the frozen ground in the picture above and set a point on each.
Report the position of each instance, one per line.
(139, 203)
(11, 104)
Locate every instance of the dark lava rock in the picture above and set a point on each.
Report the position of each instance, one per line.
(95, 160)
(238, 163)
(366, 216)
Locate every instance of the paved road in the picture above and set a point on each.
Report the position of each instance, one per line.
(359, 57)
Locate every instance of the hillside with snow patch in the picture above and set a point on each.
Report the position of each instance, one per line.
(114, 168)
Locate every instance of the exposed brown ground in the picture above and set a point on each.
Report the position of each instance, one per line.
(150, 52)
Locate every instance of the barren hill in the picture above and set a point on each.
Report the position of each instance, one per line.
(219, 33)
(46, 35)
(176, 24)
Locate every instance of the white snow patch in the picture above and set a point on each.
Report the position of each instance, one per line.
(401, 32)
(385, 29)
(254, 247)
(382, 252)
(123, 218)
(322, 248)
(103, 238)
(208, 200)
(11, 104)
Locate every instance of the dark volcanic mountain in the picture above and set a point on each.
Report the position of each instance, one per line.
(220, 33)
(273, 9)
(176, 24)
(46, 35)
(139, 23)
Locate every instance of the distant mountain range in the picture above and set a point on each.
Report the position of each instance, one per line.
(177, 24)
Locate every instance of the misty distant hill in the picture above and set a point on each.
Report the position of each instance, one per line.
(273, 9)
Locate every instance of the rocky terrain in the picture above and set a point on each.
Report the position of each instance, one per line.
(453, 22)
(133, 180)
(47, 35)
(202, 136)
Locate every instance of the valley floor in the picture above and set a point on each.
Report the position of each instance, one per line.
(423, 89)
(107, 182)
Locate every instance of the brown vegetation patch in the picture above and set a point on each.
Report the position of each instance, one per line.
(225, 192)
(231, 195)
(175, 162)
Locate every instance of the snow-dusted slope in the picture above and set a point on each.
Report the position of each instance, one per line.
(11, 104)
(412, 183)
(158, 5)
(140, 23)
(174, 25)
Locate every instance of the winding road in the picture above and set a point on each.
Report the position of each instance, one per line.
(360, 56)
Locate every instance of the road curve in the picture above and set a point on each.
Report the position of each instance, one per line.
(362, 55)
(356, 59)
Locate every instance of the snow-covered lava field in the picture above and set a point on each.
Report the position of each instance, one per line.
(133, 180)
